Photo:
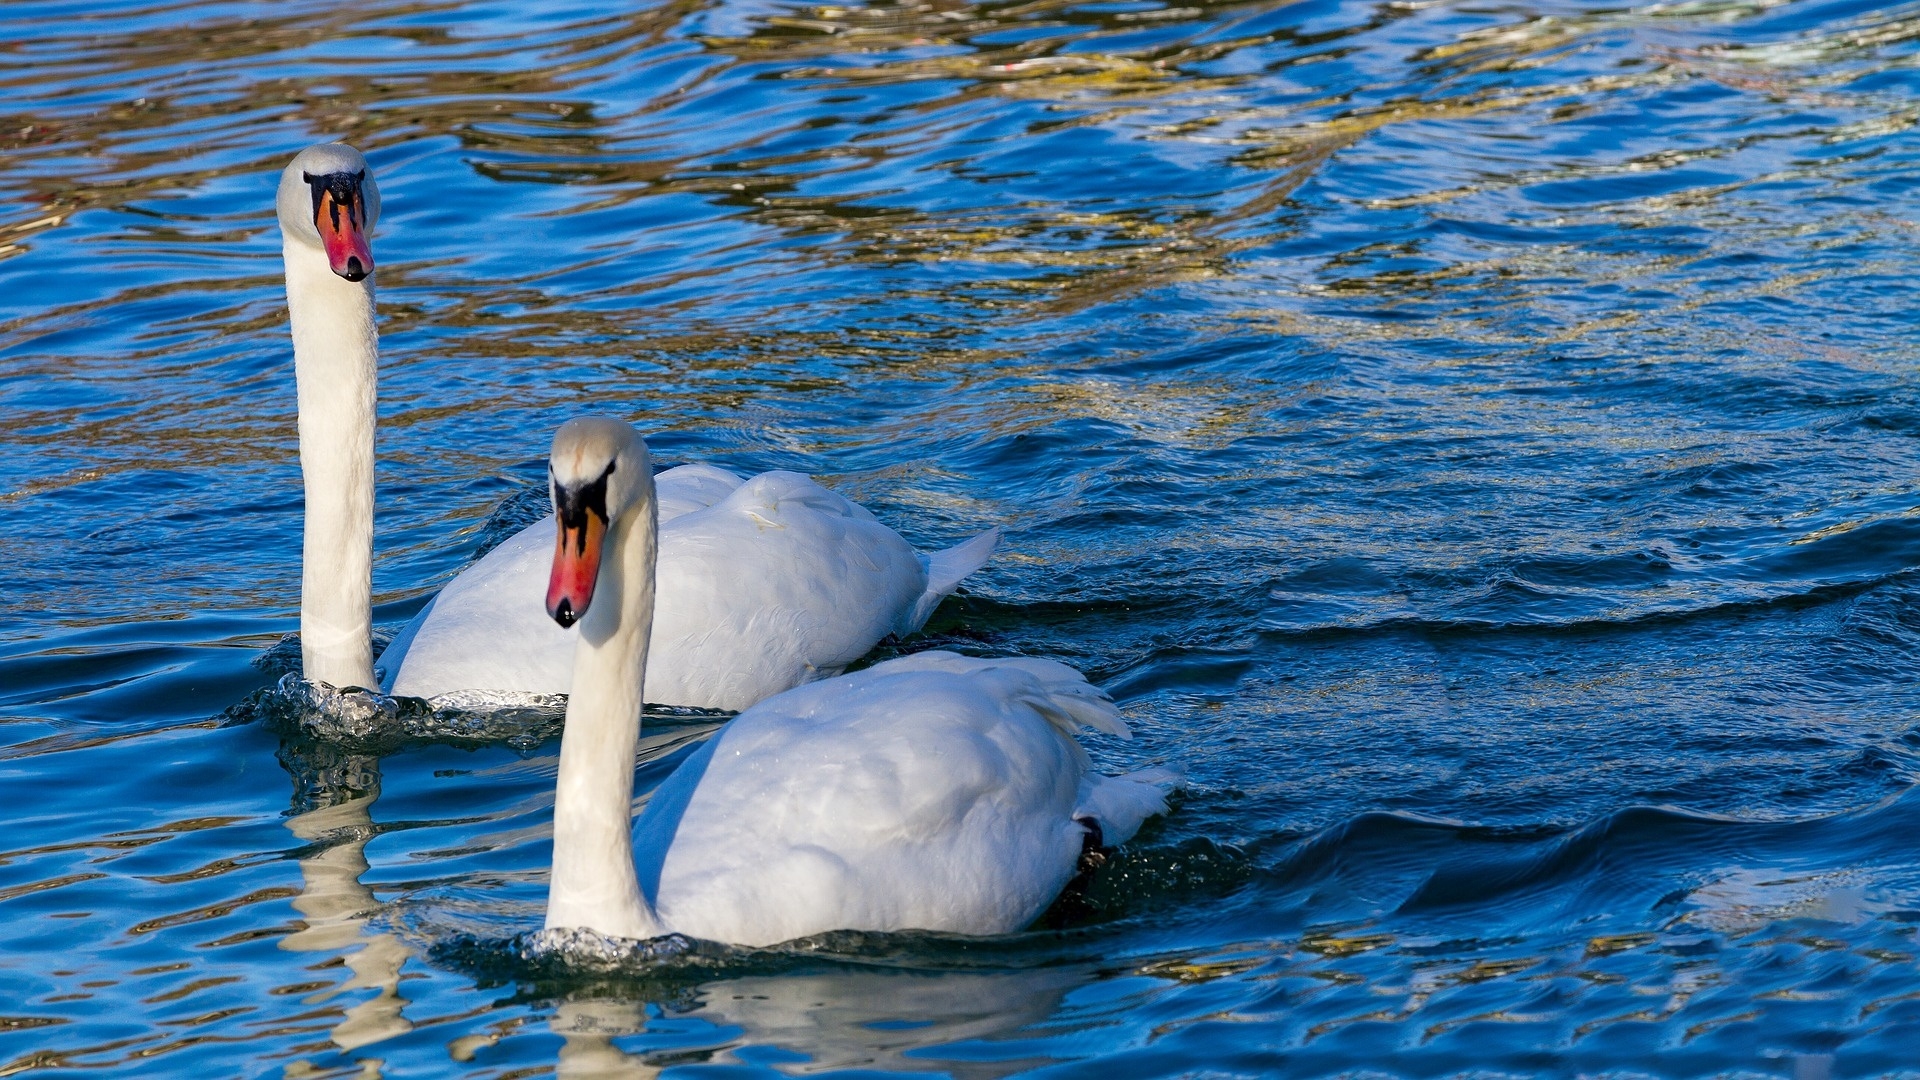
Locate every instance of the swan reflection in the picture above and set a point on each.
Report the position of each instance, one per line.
(334, 793)
(847, 1019)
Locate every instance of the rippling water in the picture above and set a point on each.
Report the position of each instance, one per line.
(1478, 443)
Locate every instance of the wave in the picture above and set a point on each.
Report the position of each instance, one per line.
(1639, 867)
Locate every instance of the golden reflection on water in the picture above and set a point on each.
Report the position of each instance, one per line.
(522, 114)
(336, 907)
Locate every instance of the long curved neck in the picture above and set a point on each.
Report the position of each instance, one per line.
(594, 885)
(335, 353)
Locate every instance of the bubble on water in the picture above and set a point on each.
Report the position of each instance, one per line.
(580, 946)
(337, 714)
(365, 719)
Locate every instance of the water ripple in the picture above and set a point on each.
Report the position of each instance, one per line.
(1474, 443)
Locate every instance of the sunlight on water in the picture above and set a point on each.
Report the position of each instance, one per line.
(1477, 444)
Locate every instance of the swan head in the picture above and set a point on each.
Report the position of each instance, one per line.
(329, 202)
(599, 471)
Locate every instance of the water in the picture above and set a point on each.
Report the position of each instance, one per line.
(1478, 443)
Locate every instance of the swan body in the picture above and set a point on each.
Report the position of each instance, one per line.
(767, 582)
(764, 584)
(932, 792)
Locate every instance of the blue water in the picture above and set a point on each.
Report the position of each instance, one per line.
(1479, 443)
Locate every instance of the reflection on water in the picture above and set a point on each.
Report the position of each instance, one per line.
(335, 905)
(843, 1019)
(587, 1051)
(1475, 443)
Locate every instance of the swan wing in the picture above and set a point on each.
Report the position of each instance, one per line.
(932, 792)
(781, 582)
(686, 488)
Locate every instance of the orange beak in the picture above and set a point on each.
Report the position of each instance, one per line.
(342, 221)
(576, 565)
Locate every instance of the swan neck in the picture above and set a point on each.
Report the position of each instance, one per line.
(335, 356)
(594, 885)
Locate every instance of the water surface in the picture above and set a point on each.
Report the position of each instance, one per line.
(1478, 442)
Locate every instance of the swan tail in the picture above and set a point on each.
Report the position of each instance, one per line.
(1121, 804)
(1062, 695)
(945, 570)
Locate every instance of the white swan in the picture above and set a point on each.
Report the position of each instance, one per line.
(932, 792)
(765, 583)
